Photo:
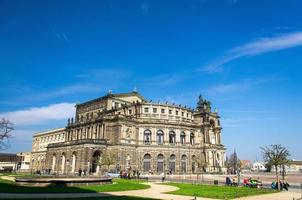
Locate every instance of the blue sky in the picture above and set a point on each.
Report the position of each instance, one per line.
(244, 56)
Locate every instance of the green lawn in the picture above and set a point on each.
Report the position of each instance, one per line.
(119, 185)
(216, 192)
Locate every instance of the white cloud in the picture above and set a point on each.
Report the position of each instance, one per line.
(21, 134)
(260, 46)
(104, 73)
(72, 89)
(40, 115)
(244, 121)
(236, 87)
(166, 80)
(237, 122)
(96, 81)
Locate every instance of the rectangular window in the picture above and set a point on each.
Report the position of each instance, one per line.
(182, 114)
(163, 111)
(146, 110)
(154, 110)
(130, 112)
(176, 112)
(187, 114)
(170, 112)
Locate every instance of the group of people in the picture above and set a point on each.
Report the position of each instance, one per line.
(44, 171)
(248, 182)
(82, 172)
(254, 183)
(283, 185)
(231, 182)
(130, 174)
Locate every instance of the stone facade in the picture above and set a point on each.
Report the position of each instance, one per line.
(146, 136)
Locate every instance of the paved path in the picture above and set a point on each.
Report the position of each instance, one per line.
(155, 191)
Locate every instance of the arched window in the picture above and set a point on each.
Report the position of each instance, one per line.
(212, 137)
(218, 163)
(160, 137)
(128, 159)
(95, 162)
(147, 162)
(182, 138)
(193, 163)
(73, 164)
(172, 137)
(160, 163)
(63, 163)
(192, 139)
(172, 162)
(212, 123)
(183, 163)
(147, 136)
(53, 162)
(210, 158)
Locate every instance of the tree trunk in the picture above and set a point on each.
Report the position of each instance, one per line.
(277, 177)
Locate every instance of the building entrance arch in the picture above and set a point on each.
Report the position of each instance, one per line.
(95, 162)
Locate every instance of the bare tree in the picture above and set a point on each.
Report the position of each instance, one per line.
(275, 155)
(233, 163)
(108, 158)
(6, 127)
(200, 162)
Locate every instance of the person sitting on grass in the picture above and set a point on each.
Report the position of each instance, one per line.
(254, 183)
(284, 185)
(273, 185)
(234, 182)
(228, 181)
(246, 182)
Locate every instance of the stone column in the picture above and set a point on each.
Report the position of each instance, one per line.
(103, 131)
(98, 131)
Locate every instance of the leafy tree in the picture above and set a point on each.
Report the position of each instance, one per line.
(108, 158)
(275, 155)
(6, 127)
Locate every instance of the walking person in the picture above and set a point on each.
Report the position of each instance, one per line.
(163, 177)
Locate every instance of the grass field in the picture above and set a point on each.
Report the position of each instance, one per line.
(119, 185)
(217, 192)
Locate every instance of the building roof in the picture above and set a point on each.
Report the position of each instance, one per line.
(295, 162)
(9, 157)
(49, 131)
(128, 94)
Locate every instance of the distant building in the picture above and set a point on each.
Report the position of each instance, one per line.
(258, 166)
(146, 136)
(24, 163)
(9, 162)
(291, 166)
(246, 165)
(294, 166)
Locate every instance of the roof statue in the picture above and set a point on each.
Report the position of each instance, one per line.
(203, 103)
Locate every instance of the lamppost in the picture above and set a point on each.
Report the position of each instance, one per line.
(238, 177)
